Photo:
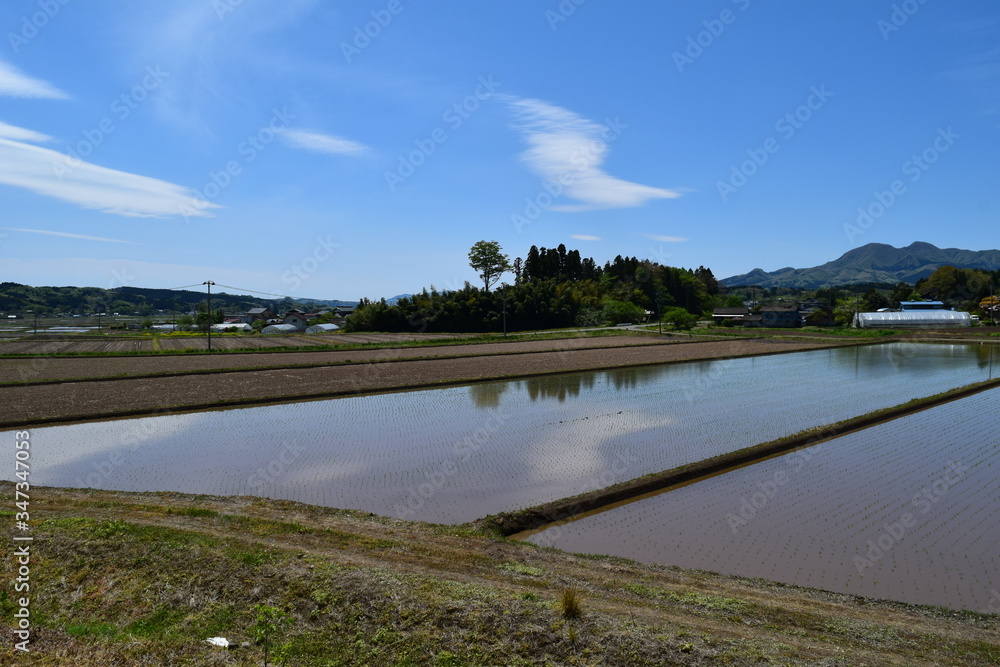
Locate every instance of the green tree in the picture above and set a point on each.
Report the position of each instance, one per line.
(487, 258)
(679, 318)
(617, 312)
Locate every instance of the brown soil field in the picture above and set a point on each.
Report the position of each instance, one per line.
(25, 405)
(64, 368)
(112, 344)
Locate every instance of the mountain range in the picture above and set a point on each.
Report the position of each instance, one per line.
(873, 263)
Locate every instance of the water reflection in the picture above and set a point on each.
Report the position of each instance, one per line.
(459, 453)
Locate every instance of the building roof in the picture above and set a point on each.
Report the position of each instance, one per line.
(322, 328)
(731, 312)
(279, 329)
(913, 318)
(921, 305)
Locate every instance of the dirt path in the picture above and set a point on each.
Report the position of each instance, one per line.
(68, 401)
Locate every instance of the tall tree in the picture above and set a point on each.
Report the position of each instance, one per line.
(487, 258)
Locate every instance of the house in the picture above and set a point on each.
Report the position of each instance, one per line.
(921, 305)
(296, 318)
(344, 311)
(816, 313)
(260, 314)
(732, 315)
(781, 316)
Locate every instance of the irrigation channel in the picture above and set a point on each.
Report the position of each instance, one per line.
(455, 454)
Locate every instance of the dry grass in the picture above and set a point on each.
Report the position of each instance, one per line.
(144, 579)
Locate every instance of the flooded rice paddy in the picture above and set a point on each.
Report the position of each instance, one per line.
(908, 510)
(455, 454)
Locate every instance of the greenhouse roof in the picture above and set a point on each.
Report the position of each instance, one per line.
(914, 318)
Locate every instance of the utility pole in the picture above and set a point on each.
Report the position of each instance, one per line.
(659, 315)
(504, 292)
(209, 283)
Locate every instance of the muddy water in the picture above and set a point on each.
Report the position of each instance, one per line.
(455, 454)
(908, 510)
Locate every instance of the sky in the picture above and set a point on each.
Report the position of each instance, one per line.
(339, 150)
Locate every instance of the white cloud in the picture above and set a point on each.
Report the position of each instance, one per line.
(66, 235)
(21, 134)
(569, 149)
(53, 174)
(323, 143)
(666, 239)
(585, 237)
(15, 84)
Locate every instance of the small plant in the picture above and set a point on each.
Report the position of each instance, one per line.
(569, 604)
(268, 629)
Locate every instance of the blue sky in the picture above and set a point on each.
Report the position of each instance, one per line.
(350, 149)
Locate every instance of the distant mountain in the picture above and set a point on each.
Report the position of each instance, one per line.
(17, 298)
(873, 263)
(396, 298)
(329, 303)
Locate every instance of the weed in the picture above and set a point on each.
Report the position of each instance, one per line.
(569, 604)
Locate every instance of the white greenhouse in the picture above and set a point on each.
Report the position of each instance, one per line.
(322, 328)
(913, 319)
(280, 329)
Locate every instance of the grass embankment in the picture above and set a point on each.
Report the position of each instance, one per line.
(144, 579)
(532, 518)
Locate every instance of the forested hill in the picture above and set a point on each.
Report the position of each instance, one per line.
(874, 262)
(552, 288)
(17, 298)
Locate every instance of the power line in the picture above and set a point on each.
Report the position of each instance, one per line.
(244, 289)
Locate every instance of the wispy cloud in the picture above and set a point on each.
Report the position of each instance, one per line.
(21, 134)
(323, 143)
(67, 235)
(585, 237)
(15, 84)
(666, 239)
(53, 174)
(569, 149)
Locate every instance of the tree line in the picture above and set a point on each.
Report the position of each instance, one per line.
(551, 288)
